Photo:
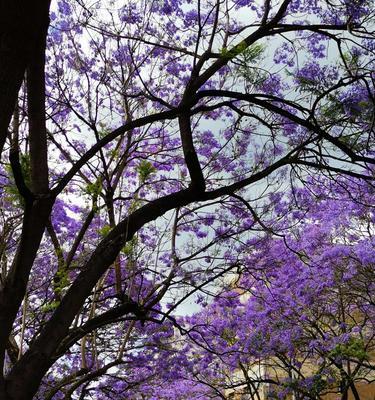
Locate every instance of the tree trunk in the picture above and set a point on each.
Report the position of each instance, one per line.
(21, 22)
(23, 31)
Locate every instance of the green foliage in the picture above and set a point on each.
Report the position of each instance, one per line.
(61, 280)
(333, 109)
(103, 131)
(249, 54)
(115, 153)
(11, 190)
(94, 189)
(351, 60)
(145, 169)
(253, 53)
(130, 246)
(233, 52)
(247, 69)
(51, 306)
(103, 231)
(354, 348)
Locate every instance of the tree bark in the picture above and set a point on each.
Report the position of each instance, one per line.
(36, 93)
(21, 22)
(23, 31)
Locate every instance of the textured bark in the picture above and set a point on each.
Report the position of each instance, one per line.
(21, 22)
(36, 93)
(23, 30)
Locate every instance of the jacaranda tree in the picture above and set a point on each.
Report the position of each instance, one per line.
(143, 143)
(299, 318)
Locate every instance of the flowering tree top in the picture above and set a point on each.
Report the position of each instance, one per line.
(143, 145)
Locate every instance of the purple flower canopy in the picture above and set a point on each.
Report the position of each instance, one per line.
(187, 199)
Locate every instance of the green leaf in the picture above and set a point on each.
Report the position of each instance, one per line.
(354, 348)
(94, 189)
(130, 246)
(11, 190)
(145, 169)
(234, 51)
(104, 230)
(50, 306)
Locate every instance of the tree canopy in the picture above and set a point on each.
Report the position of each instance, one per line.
(156, 154)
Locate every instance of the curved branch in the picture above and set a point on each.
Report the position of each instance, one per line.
(294, 118)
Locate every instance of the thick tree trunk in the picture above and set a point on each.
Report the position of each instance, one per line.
(21, 22)
(12, 69)
(36, 108)
(23, 31)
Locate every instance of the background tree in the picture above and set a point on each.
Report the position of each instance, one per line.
(299, 319)
(169, 112)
